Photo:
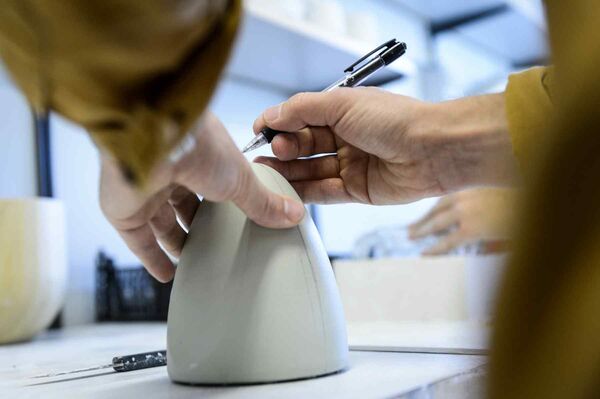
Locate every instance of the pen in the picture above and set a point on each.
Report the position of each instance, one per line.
(381, 56)
(123, 363)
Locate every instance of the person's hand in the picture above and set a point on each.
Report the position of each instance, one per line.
(215, 169)
(382, 148)
(467, 217)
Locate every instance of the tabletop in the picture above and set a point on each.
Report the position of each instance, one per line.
(370, 375)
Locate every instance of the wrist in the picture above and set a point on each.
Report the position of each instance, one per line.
(468, 143)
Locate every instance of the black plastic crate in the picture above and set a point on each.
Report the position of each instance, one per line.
(129, 293)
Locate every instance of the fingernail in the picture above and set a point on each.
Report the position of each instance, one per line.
(293, 210)
(272, 114)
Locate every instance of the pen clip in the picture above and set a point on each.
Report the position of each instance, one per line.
(380, 49)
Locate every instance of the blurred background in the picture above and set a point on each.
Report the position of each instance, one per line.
(455, 48)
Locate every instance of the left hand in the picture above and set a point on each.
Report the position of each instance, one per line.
(215, 169)
(467, 217)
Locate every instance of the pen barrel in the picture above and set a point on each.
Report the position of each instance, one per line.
(363, 73)
(140, 361)
(393, 50)
(270, 133)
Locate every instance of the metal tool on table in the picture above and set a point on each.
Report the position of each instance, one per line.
(378, 58)
(137, 361)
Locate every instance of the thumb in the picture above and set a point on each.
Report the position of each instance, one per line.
(265, 207)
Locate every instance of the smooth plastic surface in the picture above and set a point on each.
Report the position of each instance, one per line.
(251, 304)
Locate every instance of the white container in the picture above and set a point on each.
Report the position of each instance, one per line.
(420, 289)
(423, 304)
(33, 266)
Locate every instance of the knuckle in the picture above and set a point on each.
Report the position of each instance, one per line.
(339, 100)
(296, 102)
(299, 99)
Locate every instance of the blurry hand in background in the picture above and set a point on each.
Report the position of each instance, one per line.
(215, 169)
(467, 217)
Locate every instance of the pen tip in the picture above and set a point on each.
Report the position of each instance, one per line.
(256, 142)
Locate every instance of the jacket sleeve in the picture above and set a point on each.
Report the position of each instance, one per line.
(135, 74)
(528, 110)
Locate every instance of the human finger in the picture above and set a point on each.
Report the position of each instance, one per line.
(445, 244)
(437, 223)
(304, 169)
(142, 242)
(185, 203)
(304, 143)
(167, 230)
(442, 205)
(264, 206)
(306, 109)
(326, 191)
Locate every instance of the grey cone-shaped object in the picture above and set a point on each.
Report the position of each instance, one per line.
(251, 304)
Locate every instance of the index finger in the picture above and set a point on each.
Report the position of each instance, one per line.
(304, 143)
(142, 242)
(442, 205)
(305, 109)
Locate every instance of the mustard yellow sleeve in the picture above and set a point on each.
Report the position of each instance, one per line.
(135, 74)
(528, 109)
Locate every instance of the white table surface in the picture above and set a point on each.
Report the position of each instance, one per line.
(371, 374)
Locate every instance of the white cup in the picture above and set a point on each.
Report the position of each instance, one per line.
(33, 266)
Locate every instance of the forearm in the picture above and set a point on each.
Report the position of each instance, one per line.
(468, 142)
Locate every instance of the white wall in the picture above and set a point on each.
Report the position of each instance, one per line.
(17, 144)
(396, 21)
(238, 104)
(466, 68)
(76, 170)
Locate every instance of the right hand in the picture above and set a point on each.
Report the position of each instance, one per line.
(385, 148)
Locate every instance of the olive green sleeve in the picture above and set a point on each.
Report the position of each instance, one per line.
(135, 74)
(528, 109)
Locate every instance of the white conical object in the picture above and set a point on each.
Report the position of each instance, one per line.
(251, 304)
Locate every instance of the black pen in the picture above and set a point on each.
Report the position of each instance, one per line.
(383, 55)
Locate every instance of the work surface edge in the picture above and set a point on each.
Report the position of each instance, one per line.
(371, 374)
